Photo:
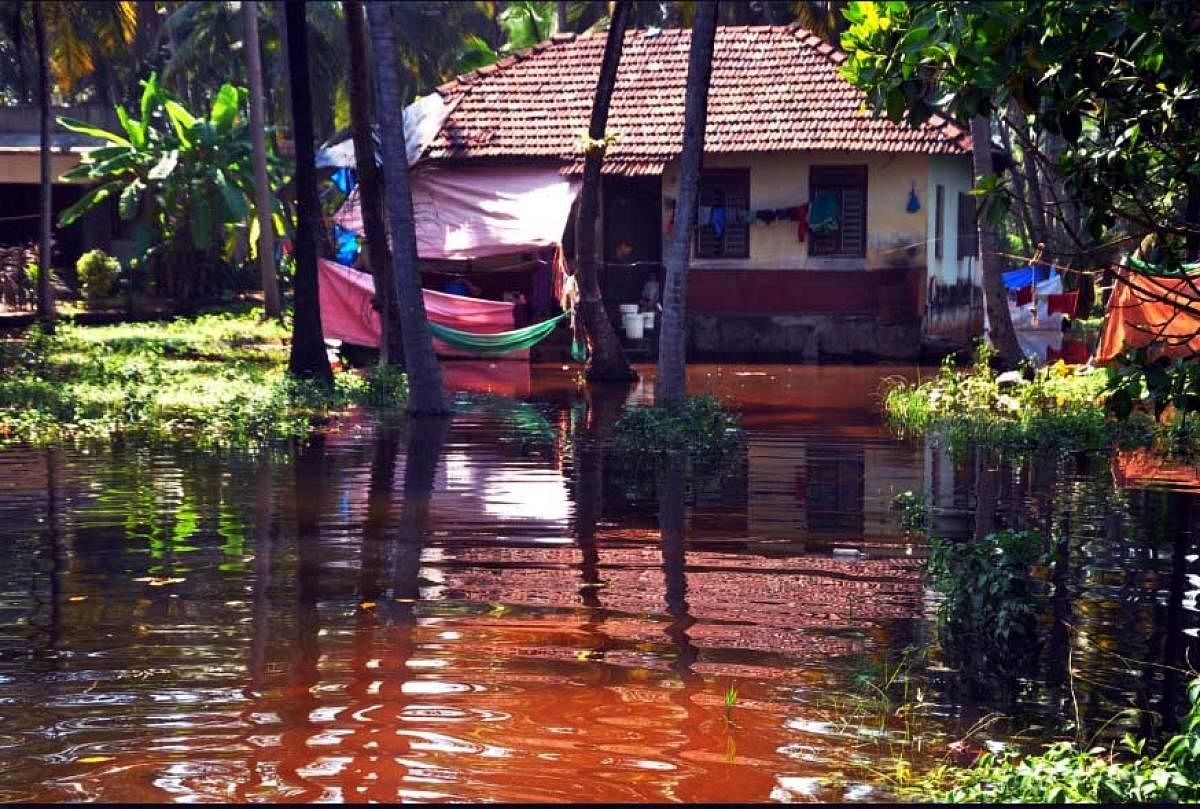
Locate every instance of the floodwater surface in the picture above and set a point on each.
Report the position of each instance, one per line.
(494, 609)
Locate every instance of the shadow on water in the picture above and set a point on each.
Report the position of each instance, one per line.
(494, 607)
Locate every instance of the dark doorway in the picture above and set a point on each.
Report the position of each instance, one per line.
(632, 235)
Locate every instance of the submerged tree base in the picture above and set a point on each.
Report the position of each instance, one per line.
(216, 379)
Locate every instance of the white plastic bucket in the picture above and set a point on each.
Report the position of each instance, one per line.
(627, 309)
(633, 325)
(648, 321)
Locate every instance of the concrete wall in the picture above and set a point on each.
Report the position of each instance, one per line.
(895, 237)
(954, 296)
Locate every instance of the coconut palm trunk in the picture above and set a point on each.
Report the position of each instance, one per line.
(370, 187)
(995, 298)
(272, 307)
(671, 385)
(45, 292)
(426, 395)
(608, 363)
(308, 359)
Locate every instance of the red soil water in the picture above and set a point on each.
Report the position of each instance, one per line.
(496, 611)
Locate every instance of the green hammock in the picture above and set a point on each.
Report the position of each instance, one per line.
(1146, 268)
(494, 345)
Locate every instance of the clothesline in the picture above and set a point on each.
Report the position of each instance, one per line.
(820, 215)
(1029, 261)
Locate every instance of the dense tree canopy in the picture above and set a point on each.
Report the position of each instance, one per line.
(1111, 87)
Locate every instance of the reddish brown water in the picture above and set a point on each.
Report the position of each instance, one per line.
(496, 613)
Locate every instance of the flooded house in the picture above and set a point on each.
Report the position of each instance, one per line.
(823, 231)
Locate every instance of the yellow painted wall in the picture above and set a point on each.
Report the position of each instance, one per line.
(895, 237)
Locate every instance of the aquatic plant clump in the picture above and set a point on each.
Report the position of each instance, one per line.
(1052, 408)
(217, 379)
(700, 426)
(1067, 773)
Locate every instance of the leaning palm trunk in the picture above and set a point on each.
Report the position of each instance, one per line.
(424, 375)
(370, 188)
(45, 292)
(671, 386)
(1003, 338)
(272, 307)
(308, 359)
(609, 363)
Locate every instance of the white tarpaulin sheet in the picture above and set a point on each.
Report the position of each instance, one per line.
(466, 212)
(422, 120)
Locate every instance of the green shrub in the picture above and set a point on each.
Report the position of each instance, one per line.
(1066, 773)
(217, 379)
(97, 272)
(701, 425)
(1053, 408)
(987, 620)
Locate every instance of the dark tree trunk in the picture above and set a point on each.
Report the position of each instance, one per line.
(272, 307)
(426, 395)
(608, 363)
(672, 514)
(370, 188)
(308, 360)
(995, 298)
(45, 292)
(671, 385)
(426, 438)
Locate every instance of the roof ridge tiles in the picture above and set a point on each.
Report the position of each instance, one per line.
(498, 107)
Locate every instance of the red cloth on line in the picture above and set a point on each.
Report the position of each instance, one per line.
(1066, 302)
(1024, 296)
(802, 222)
(1072, 353)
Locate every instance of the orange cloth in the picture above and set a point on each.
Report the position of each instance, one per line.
(558, 269)
(1135, 319)
(1140, 467)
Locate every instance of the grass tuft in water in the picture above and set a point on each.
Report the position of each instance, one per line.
(1054, 408)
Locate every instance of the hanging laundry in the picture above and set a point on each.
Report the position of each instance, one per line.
(1065, 302)
(784, 214)
(717, 220)
(802, 222)
(823, 213)
(704, 214)
(344, 179)
(765, 216)
(346, 245)
(914, 204)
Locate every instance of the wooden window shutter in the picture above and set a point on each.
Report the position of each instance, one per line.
(939, 221)
(849, 184)
(968, 228)
(727, 188)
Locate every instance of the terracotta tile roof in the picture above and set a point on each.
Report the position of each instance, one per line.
(774, 88)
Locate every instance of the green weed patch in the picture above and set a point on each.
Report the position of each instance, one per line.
(217, 379)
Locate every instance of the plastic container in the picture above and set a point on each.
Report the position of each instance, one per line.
(634, 325)
(627, 309)
(648, 321)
